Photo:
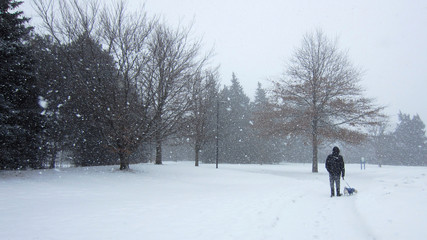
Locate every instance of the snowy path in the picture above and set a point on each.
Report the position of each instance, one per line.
(307, 211)
(179, 201)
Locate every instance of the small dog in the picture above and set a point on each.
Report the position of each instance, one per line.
(349, 191)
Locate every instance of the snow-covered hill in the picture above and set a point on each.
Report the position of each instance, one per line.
(180, 201)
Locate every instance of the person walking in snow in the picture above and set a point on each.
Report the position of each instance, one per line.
(335, 166)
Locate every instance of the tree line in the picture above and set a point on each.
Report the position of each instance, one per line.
(107, 83)
(108, 86)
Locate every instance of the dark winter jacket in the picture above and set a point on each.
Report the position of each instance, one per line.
(335, 163)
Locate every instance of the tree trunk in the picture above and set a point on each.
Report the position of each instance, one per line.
(158, 152)
(196, 157)
(124, 161)
(53, 159)
(315, 144)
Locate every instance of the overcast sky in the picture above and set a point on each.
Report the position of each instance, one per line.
(254, 39)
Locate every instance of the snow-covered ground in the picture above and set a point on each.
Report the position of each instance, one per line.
(180, 201)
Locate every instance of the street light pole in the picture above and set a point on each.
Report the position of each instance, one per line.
(217, 129)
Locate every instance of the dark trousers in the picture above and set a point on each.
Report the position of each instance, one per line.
(334, 180)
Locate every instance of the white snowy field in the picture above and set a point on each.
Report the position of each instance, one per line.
(180, 201)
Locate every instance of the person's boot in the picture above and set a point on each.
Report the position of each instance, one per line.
(332, 193)
(338, 193)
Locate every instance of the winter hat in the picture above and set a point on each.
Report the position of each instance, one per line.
(336, 150)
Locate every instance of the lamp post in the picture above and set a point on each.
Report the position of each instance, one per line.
(217, 129)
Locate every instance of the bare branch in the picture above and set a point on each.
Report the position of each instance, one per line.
(320, 95)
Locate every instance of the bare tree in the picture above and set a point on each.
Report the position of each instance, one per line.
(67, 20)
(127, 105)
(320, 97)
(173, 64)
(131, 117)
(204, 92)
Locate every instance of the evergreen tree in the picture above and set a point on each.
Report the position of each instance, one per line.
(271, 148)
(405, 146)
(20, 121)
(410, 140)
(92, 86)
(381, 142)
(234, 124)
(77, 82)
(260, 98)
(50, 75)
(265, 148)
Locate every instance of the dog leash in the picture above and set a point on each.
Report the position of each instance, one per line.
(347, 183)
